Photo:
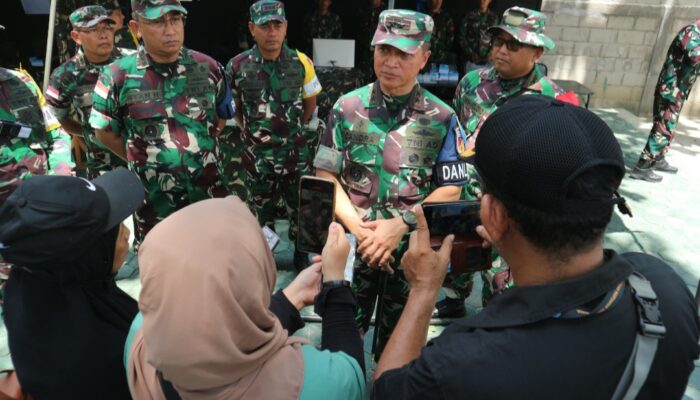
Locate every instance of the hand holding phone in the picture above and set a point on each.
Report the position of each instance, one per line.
(460, 218)
(335, 254)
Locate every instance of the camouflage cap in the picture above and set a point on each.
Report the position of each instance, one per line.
(526, 26)
(153, 9)
(89, 16)
(404, 29)
(264, 11)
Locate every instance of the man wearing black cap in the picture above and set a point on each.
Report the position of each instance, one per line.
(66, 319)
(582, 321)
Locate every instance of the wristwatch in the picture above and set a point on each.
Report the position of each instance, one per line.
(334, 284)
(409, 218)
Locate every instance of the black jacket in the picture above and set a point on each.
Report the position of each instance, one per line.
(522, 345)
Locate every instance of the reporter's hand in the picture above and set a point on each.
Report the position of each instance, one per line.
(335, 253)
(303, 289)
(424, 268)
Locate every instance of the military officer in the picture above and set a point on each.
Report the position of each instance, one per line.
(385, 145)
(676, 79)
(321, 24)
(516, 46)
(473, 39)
(275, 90)
(443, 32)
(72, 83)
(32, 141)
(161, 109)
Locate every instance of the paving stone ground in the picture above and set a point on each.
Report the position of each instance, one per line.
(666, 223)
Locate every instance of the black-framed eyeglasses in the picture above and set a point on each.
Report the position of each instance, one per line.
(100, 30)
(511, 45)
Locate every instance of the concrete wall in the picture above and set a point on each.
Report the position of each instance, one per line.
(617, 47)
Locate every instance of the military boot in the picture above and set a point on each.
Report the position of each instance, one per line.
(662, 165)
(643, 170)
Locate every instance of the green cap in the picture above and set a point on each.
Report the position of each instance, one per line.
(526, 26)
(404, 29)
(89, 16)
(153, 9)
(264, 11)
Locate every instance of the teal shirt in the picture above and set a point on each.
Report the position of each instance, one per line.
(327, 375)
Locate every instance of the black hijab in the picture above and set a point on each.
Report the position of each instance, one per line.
(67, 322)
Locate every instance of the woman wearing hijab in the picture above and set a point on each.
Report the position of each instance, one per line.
(66, 319)
(205, 330)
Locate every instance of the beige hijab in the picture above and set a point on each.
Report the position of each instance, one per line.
(207, 277)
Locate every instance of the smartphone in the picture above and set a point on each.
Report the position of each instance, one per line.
(456, 217)
(316, 205)
(461, 219)
(350, 262)
(271, 237)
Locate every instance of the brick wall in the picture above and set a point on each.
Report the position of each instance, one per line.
(617, 47)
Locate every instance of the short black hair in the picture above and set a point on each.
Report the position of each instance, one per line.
(563, 235)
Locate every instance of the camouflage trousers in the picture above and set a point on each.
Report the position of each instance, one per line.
(366, 287)
(274, 187)
(181, 192)
(496, 279)
(230, 149)
(663, 130)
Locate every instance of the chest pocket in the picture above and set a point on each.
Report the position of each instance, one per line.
(149, 121)
(251, 82)
(291, 81)
(198, 93)
(419, 152)
(360, 172)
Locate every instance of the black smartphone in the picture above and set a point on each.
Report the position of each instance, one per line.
(455, 217)
(316, 205)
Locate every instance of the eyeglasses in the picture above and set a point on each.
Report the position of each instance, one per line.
(177, 21)
(511, 45)
(98, 30)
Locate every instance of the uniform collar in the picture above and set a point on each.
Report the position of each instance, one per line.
(529, 304)
(415, 102)
(258, 58)
(143, 61)
(530, 81)
(82, 62)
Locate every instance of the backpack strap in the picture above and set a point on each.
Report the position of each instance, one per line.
(650, 329)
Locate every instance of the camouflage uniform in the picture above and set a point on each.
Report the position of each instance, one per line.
(473, 39)
(167, 114)
(383, 150)
(278, 150)
(443, 36)
(479, 94)
(71, 87)
(40, 147)
(65, 46)
(676, 79)
(368, 23)
(317, 26)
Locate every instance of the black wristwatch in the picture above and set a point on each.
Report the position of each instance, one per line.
(334, 284)
(409, 218)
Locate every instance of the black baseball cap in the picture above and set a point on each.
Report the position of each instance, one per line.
(533, 147)
(53, 217)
